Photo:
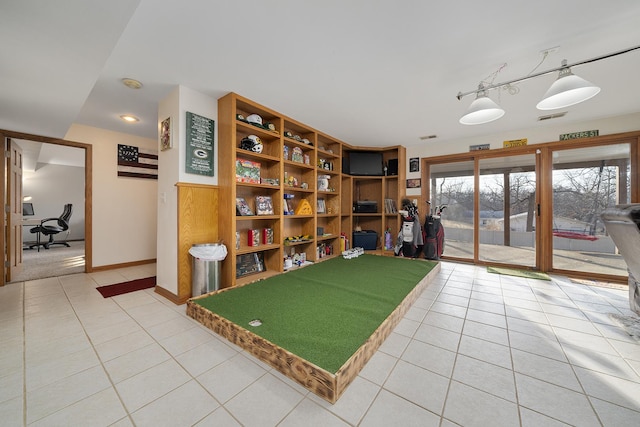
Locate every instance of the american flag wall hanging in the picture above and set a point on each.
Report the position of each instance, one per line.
(135, 162)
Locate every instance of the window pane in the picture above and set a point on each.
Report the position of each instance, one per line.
(585, 182)
(452, 186)
(507, 210)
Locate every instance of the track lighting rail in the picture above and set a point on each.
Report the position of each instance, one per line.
(531, 76)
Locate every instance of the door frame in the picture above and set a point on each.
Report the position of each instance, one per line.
(544, 193)
(88, 192)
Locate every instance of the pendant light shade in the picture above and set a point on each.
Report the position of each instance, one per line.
(567, 90)
(482, 110)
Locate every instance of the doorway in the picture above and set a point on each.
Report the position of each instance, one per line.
(586, 181)
(73, 176)
(537, 207)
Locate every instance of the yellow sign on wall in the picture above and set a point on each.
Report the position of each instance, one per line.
(514, 143)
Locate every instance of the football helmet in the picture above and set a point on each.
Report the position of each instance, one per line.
(252, 143)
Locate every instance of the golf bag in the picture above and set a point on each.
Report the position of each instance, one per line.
(410, 239)
(434, 235)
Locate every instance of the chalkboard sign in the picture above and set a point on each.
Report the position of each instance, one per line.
(199, 158)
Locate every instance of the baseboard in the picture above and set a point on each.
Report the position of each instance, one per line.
(170, 296)
(123, 265)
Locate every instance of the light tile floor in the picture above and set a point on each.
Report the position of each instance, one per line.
(476, 349)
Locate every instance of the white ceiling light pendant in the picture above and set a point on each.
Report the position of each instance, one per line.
(567, 90)
(482, 110)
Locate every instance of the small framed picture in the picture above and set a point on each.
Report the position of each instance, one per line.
(414, 164)
(322, 207)
(166, 141)
(413, 183)
(242, 207)
(264, 205)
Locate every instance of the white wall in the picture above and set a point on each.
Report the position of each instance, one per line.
(534, 135)
(171, 166)
(124, 215)
(51, 187)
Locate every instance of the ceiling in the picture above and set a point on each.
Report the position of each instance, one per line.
(369, 73)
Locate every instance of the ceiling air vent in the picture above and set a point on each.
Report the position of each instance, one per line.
(552, 116)
(428, 137)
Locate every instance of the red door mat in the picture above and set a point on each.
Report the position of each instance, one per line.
(126, 287)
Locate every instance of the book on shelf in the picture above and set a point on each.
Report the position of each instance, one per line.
(242, 207)
(249, 263)
(247, 171)
(288, 204)
(254, 238)
(390, 206)
(322, 208)
(267, 236)
(264, 205)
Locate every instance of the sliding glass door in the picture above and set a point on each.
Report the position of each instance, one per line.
(537, 207)
(507, 212)
(452, 187)
(585, 182)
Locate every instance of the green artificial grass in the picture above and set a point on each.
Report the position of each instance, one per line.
(324, 312)
(519, 273)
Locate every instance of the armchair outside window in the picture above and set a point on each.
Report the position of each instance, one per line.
(52, 226)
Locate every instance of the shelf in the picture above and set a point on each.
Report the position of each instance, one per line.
(327, 172)
(294, 143)
(251, 155)
(255, 130)
(298, 243)
(297, 164)
(317, 150)
(254, 217)
(254, 277)
(327, 237)
(252, 249)
(327, 154)
(298, 190)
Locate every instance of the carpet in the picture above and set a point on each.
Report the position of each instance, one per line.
(126, 287)
(321, 323)
(54, 262)
(519, 273)
(631, 324)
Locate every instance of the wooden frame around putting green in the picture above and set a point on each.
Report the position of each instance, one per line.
(327, 385)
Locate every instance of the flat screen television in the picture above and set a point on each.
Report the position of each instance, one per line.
(27, 209)
(366, 163)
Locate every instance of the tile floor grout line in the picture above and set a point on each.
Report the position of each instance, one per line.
(455, 359)
(513, 365)
(571, 366)
(192, 378)
(93, 347)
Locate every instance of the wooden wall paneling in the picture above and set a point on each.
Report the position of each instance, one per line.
(197, 224)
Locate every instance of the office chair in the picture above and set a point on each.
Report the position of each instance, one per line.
(61, 224)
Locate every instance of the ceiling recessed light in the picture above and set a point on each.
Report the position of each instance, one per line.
(131, 83)
(129, 118)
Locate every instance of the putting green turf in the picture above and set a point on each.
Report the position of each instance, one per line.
(324, 312)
